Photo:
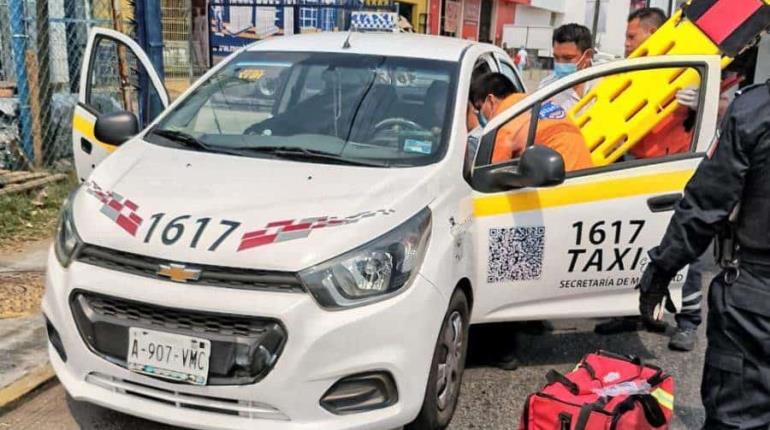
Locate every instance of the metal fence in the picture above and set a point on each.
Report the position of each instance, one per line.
(175, 15)
(41, 50)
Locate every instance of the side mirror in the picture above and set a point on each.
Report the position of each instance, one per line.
(117, 127)
(539, 166)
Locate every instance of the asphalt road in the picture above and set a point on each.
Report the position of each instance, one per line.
(490, 398)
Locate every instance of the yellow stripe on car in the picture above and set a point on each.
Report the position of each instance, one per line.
(665, 398)
(85, 127)
(587, 192)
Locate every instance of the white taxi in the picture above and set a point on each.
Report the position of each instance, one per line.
(300, 240)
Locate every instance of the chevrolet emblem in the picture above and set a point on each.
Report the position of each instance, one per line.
(179, 273)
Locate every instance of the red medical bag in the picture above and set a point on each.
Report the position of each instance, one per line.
(605, 392)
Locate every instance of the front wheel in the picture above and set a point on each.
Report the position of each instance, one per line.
(446, 369)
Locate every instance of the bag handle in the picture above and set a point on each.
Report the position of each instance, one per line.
(585, 414)
(555, 377)
(651, 408)
(634, 359)
(591, 372)
(653, 380)
(658, 377)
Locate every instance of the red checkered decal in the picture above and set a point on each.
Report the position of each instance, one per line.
(119, 209)
(282, 231)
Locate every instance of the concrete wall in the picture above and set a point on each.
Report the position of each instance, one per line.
(575, 11)
(612, 25)
(662, 4)
(532, 16)
(613, 38)
(552, 5)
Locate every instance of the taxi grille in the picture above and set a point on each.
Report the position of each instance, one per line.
(174, 319)
(182, 400)
(216, 276)
(243, 349)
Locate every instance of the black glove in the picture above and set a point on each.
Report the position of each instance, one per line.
(653, 295)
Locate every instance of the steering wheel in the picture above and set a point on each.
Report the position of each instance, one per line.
(396, 121)
(257, 128)
(384, 132)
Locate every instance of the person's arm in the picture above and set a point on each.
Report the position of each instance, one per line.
(716, 187)
(565, 138)
(709, 198)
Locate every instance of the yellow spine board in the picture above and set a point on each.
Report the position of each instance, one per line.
(621, 109)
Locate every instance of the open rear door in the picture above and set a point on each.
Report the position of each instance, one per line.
(116, 76)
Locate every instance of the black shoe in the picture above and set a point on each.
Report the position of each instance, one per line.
(658, 326)
(619, 325)
(683, 340)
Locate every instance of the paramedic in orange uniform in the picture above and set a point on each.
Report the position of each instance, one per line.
(493, 93)
(673, 135)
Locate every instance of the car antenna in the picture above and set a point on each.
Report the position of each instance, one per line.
(346, 44)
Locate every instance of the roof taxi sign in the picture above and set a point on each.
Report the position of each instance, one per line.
(374, 21)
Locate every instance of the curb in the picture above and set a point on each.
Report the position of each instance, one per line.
(26, 384)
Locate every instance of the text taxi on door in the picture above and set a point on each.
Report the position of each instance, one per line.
(300, 241)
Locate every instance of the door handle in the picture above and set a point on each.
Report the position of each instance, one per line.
(85, 145)
(664, 203)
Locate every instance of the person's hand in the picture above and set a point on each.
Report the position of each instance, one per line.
(651, 308)
(653, 296)
(689, 97)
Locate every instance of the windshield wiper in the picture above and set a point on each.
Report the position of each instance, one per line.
(297, 153)
(184, 139)
(288, 152)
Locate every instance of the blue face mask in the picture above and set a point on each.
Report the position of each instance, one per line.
(481, 118)
(561, 70)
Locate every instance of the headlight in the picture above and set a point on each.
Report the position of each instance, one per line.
(67, 240)
(374, 271)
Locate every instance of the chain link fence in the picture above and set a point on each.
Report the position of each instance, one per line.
(41, 51)
(177, 45)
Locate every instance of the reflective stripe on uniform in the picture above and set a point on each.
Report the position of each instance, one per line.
(664, 398)
(692, 297)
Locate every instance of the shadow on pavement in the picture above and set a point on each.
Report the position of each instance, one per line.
(94, 417)
(536, 345)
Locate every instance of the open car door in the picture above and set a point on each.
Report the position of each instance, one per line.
(578, 248)
(116, 76)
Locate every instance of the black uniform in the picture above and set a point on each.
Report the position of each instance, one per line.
(736, 379)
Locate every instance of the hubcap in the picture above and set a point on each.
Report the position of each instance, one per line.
(449, 360)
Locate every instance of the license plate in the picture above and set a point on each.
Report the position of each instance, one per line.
(167, 355)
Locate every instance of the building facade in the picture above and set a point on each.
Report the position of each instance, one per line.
(530, 23)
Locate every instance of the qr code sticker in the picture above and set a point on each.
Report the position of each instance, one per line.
(515, 254)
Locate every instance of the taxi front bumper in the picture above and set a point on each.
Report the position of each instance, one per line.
(321, 348)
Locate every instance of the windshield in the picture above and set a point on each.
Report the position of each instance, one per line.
(382, 111)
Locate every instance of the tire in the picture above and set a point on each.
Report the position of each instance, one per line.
(441, 394)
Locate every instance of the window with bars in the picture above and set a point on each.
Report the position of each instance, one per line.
(308, 17)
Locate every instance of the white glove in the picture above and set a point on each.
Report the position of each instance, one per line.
(689, 97)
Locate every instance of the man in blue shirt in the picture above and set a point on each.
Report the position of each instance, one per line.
(572, 51)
